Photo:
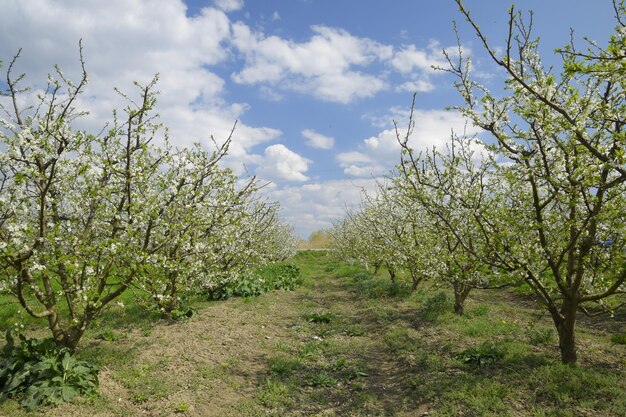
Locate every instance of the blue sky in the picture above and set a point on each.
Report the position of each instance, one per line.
(315, 84)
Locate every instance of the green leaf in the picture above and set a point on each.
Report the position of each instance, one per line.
(68, 393)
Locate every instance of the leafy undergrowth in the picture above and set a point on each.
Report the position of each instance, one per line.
(37, 372)
(279, 276)
(347, 343)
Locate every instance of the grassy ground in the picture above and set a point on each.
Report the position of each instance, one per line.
(348, 344)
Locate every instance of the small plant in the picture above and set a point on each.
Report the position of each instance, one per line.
(278, 276)
(275, 394)
(619, 339)
(110, 335)
(41, 373)
(543, 336)
(481, 310)
(355, 373)
(353, 331)
(331, 266)
(322, 380)
(339, 364)
(481, 356)
(319, 317)
(437, 305)
(401, 340)
(309, 349)
(183, 313)
(361, 276)
(181, 407)
(283, 365)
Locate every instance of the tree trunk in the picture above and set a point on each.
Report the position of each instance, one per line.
(69, 338)
(416, 278)
(414, 285)
(172, 291)
(461, 291)
(392, 275)
(565, 323)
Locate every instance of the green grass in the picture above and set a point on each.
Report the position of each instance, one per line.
(346, 343)
(283, 365)
(275, 394)
(144, 382)
(401, 340)
(619, 339)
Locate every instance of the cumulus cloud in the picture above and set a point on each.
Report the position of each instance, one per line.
(419, 65)
(408, 58)
(228, 5)
(128, 41)
(317, 205)
(416, 86)
(317, 140)
(280, 163)
(360, 164)
(333, 65)
(326, 66)
(378, 154)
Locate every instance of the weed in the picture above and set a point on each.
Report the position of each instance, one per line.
(477, 396)
(41, 373)
(321, 379)
(275, 394)
(353, 331)
(356, 372)
(481, 356)
(567, 385)
(283, 365)
(331, 266)
(143, 383)
(362, 276)
(373, 287)
(436, 305)
(619, 339)
(339, 364)
(480, 310)
(110, 335)
(400, 340)
(309, 349)
(183, 313)
(543, 336)
(181, 407)
(279, 276)
(319, 317)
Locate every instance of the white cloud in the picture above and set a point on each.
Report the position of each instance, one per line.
(228, 5)
(408, 58)
(419, 65)
(333, 65)
(378, 154)
(126, 41)
(275, 16)
(416, 86)
(280, 163)
(354, 158)
(314, 206)
(325, 66)
(317, 140)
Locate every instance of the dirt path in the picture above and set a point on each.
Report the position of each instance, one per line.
(219, 363)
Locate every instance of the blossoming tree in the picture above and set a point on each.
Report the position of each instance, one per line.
(83, 217)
